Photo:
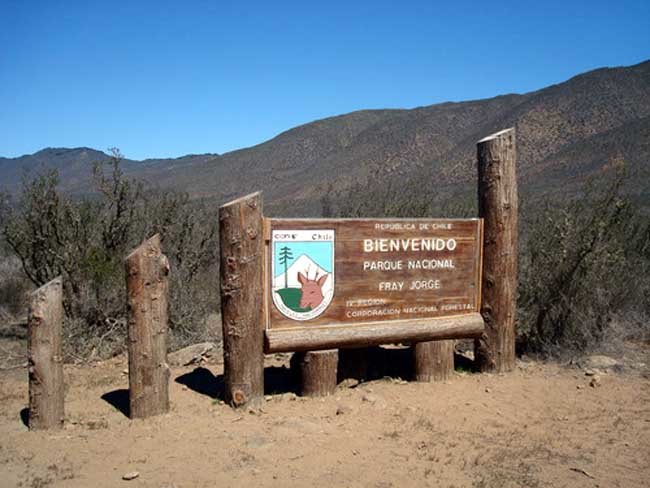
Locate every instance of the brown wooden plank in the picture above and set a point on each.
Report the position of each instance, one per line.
(374, 333)
(359, 296)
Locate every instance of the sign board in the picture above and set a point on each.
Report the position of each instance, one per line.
(352, 272)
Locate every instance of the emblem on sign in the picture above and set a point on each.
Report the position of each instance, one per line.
(302, 272)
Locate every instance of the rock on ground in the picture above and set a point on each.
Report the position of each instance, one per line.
(600, 362)
(191, 354)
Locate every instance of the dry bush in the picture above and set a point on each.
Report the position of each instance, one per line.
(583, 263)
(85, 241)
(407, 199)
(584, 260)
(14, 289)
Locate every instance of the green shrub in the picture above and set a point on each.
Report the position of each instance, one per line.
(85, 241)
(580, 266)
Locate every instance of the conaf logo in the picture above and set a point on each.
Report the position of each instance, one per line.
(302, 272)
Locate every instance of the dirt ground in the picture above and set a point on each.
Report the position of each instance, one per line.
(541, 425)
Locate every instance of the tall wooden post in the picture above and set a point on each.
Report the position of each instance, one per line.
(147, 271)
(433, 361)
(318, 372)
(242, 303)
(46, 388)
(497, 201)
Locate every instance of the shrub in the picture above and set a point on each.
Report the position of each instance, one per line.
(584, 260)
(14, 288)
(395, 199)
(86, 240)
(580, 267)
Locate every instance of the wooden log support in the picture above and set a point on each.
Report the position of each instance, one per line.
(433, 360)
(242, 304)
(318, 372)
(46, 388)
(147, 281)
(497, 201)
(374, 333)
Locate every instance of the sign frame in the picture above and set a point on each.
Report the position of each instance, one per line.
(325, 335)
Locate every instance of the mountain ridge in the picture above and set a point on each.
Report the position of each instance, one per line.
(569, 129)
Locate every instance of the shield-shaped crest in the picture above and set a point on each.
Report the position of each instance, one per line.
(302, 272)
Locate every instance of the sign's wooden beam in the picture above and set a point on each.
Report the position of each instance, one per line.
(373, 333)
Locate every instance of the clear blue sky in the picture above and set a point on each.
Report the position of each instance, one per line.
(158, 78)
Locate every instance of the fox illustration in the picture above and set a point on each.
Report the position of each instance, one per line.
(312, 293)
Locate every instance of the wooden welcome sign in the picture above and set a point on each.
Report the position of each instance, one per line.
(314, 286)
(349, 282)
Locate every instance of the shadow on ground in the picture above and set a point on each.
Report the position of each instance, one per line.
(118, 399)
(24, 416)
(201, 380)
(277, 380)
(280, 379)
(463, 363)
(364, 364)
(374, 363)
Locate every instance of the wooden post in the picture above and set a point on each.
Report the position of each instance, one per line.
(242, 299)
(318, 372)
(46, 388)
(497, 201)
(147, 271)
(433, 361)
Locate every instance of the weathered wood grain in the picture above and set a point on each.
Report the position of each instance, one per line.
(46, 387)
(433, 360)
(498, 206)
(147, 281)
(370, 334)
(358, 296)
(242, 302)
(318, 372)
